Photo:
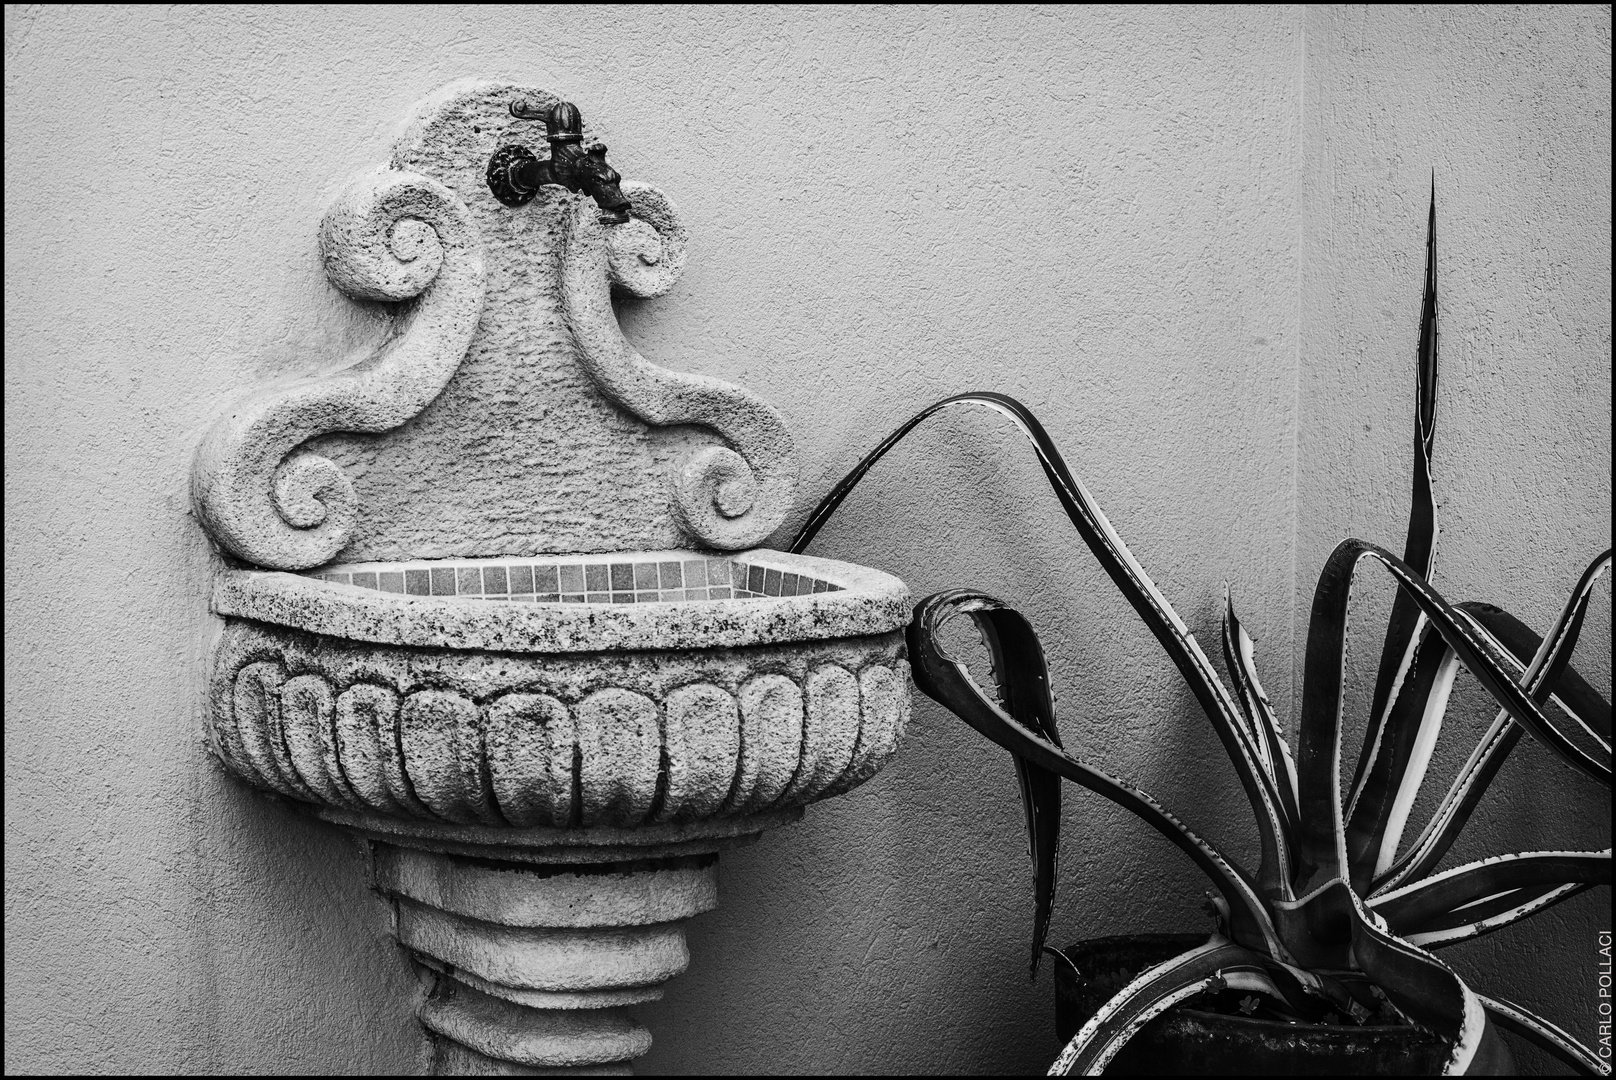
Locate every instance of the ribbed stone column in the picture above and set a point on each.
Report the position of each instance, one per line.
(538, 963)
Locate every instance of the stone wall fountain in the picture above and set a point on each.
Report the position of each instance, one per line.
(487, 601)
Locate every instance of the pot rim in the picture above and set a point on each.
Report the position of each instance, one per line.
(1249, 1023)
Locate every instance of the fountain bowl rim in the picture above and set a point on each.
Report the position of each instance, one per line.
(868, 602)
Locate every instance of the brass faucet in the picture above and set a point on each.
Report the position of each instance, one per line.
(515, 174)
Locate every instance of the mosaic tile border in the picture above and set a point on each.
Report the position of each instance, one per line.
(671, 578)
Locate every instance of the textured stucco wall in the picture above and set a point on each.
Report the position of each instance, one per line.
(1512, 108)
(1098, 211)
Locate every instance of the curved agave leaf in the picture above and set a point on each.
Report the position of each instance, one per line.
(1549, 672)
(1135, 585)
(1379, 810)
(1416, 982)
(1239, 656)
(1494, 913)
(1426, 990)
(1021, 675)
(1533, 1028)
(1519, 645)
(947, 681)
(1419, 546)
(1417, 907)
(1323, 664)
(1217, 965)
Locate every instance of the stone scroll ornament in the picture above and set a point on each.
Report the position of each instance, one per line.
(391, 236)
(727, 497)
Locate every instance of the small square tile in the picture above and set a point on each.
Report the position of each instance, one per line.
(754, 579)
(645, 575)
(546, 598)
(337, 579)
(597, 578)
(572, 578)
(791, 585)
(599, 597)
(468, 582)
(365, 579)
(522, 598)
(572, 598)
(771, 582)
(622, 598)
(495, 581)
(390, 581)
(418, 582)
(820, 586)
(695, 573)
(443, 581)
(719, 592)
(718, 571)
(496, 599)
(671, 575)
(622, 577)
(521, 579)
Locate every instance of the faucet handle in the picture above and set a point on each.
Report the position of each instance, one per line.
(562, 121)
(522, 110)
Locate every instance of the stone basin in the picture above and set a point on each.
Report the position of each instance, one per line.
(483, 708)
(546, 779)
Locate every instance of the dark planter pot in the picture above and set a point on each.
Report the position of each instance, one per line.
(1191, 1042)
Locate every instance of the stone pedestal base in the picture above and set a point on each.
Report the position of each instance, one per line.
(540, 941)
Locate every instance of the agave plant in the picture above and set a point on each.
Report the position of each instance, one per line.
(1340, 916)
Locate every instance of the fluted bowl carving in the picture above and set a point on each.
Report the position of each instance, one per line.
(496, 709)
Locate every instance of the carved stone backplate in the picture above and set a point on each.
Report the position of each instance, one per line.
(506, 414)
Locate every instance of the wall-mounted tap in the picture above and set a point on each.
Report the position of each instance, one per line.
(515, 174)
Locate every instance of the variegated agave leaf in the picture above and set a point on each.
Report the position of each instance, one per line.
(1021, 676)
(1239, 657)
(1488, 894)
(1379, 810)
(1416, 981)
(1319, 749)
(947, 681)
(1419, 546)
(1118, 562)
(1542, 666)
(1533, 1028)
(1331, 891)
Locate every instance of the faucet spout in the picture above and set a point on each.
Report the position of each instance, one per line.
(515, 174)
